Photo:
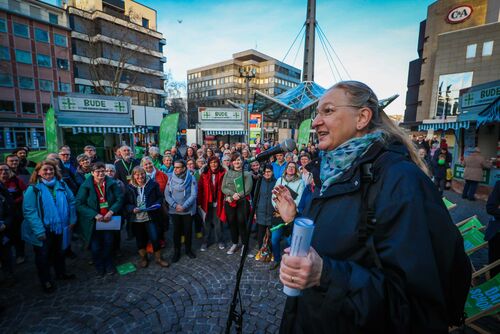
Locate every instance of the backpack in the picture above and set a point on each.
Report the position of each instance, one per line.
(456, 291)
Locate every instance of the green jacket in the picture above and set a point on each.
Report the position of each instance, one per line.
(87, 204)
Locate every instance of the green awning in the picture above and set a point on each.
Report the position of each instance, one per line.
(444, 126)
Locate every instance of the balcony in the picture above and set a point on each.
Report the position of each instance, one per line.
(163, 59)
(163, 41)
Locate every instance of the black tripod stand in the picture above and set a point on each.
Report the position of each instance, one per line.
(235, 315)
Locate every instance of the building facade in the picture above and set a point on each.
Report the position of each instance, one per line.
(213, 85)
(35, 66)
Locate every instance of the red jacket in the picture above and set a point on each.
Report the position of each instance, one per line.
(206, 189)
(162, 179)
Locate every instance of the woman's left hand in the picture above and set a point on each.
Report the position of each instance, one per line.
(301, 272)
(236, 196)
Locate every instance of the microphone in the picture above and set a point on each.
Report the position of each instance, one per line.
(287, 145)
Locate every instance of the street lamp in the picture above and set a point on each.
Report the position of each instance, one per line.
(247, 73)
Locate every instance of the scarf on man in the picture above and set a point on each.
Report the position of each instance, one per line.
(336, 162)
(55, 205)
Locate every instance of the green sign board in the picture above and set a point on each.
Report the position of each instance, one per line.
(168, 131)
(458, 172)
(304, 131)
(51, 131)
(483, 297)
(479, 97)
(86, 104)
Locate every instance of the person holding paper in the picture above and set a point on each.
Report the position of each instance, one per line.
(180, 193)
(237, 204)
(211, 201)
(143, 204)
(98, 200)
(411, 273)
(49, 208)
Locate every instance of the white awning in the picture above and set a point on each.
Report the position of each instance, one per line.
(224, 132)
(99, 129)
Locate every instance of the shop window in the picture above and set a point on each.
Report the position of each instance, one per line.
(21, 30)
(53, 18)
(60, 40)
(26, 83)
(6, 80)
(28, 107)
(471, 51)
(46, 85)
(487, 48)
(3, 25)
(23, 57)
(62, 64)
(7, 106)
(41, 35)
(43, 60)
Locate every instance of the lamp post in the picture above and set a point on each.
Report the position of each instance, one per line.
(248, 74)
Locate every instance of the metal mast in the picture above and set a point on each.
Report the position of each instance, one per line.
(308, 68)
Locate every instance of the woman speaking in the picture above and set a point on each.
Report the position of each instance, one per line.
(384, 250)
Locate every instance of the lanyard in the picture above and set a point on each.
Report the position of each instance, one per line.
(102, 191)
(127, 168)
(140, 191)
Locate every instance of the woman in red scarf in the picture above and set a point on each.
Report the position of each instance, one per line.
(211, 201)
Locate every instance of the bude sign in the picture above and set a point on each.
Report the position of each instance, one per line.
(459, 14)
(88, 104)
(220, 114)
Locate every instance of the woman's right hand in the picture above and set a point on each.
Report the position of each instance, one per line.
(284, 203)
(99, 217)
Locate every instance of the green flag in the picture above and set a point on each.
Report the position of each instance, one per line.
(168, 131)
(51, 131)
(303, 137)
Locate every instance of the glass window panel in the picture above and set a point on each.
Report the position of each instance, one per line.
(21, 30)
(45, 107)
(4, 53)
(449, 87)
(23, 57)
(487, 48)
(53, 18)
(471, 51)
(3, 25)
(7, 106)
(60, 40)
(62, 64)
(64, 87)
(20, 136)
(41, 35)
(43, 60)
(26, 83)
(6, 80)
(145, 22)
(29, 107)
(46, 85)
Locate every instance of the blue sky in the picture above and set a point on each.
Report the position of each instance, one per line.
(375, 39)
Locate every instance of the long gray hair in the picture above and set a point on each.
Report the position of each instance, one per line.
(363, 96)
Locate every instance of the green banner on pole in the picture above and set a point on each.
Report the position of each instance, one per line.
(304, 131)
(168, 131)
(51, 131)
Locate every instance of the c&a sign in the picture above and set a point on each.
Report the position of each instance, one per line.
(459, 14)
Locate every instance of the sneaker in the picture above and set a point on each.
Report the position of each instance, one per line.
(203, 247)
(20, 260)
(232, 250)
(221, 245)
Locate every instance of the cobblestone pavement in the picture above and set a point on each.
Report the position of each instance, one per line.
(192, 296)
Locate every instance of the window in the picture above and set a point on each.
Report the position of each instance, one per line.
(7, 106)
(41, 35)
(145, 23)
(62, 64)
(45, 107)
(43, 60)
(60, 40)
(6, 80)
(46, 85)
(4, 53)
(487, 48)
(53, 18)
(448, 88)
(64, 87)
(471, 51)
(26, 83)
(23, 57)
(3, 25)
(29, 107)
(21, 30)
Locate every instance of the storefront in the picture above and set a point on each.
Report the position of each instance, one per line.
(102, 121)
(221, 124)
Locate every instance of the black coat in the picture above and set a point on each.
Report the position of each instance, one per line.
(265, 207)
(122, 172)
(415, 239)
(439, 171)
(152, 195)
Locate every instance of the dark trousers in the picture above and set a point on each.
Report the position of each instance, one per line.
(183, 225)
(494, 253)
(50, 253)
(6, 255)
(470, 188)
(261, 233)
(440, 184)
(101, 245)
(213, 226)
(237, 219)
(17, 240)
(163, 224)
(144, 232)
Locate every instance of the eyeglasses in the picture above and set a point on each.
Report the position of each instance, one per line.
(63, 154)
(4, 169)
(331, 109)
(100, 171)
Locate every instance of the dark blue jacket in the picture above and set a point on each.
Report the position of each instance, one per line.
(265, 207)
(415, 240)
(152, 195)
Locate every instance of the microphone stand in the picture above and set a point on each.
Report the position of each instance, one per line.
(235, 315)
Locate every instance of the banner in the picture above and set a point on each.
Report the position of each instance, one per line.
(51, 131)
(168, 131)
(255, 125)
(304, 131)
